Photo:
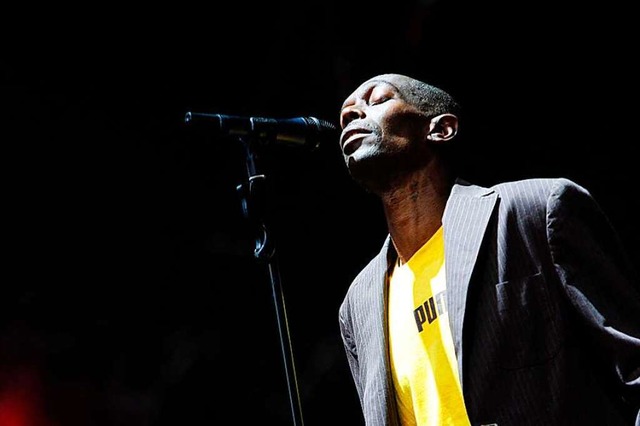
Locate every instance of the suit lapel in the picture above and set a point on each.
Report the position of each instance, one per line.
(465, 221)
(386, 257)
(375, 299)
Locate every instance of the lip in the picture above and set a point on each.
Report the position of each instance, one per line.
(350, 136)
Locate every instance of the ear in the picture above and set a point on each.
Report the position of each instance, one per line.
(443, 128)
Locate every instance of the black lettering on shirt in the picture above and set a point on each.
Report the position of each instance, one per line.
(430, 310)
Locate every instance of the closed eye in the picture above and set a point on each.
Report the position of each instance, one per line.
(381, 93)
(379, 100)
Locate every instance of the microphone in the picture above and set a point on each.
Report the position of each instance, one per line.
(304, 132)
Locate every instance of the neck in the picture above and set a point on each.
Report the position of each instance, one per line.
(414, 209)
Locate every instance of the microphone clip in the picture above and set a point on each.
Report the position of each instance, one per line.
(253, 201)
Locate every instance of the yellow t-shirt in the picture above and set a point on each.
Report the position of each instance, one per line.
(423, 361)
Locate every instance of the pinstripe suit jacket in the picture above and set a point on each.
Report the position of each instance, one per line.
(543, 305)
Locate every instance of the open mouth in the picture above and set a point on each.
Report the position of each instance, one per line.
(352, 139)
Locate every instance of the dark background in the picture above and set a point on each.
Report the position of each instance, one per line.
(132, 296)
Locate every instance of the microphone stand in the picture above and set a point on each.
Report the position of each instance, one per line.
(253, 196)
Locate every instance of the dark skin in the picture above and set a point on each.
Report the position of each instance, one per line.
(390, 148)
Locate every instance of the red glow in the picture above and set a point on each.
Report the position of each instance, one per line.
(20, 399)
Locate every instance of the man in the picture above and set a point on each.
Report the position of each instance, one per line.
(509, 305)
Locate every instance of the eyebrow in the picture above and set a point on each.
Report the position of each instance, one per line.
(373, 83)
(385, 82)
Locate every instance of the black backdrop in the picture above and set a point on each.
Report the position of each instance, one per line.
(132, 296)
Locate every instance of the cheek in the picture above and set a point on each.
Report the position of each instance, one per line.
(401, 133)
(403, 123)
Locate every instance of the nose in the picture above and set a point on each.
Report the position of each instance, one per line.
(349, 114)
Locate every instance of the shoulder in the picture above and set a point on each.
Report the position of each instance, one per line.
(522, 188)
(543, 192)
(367, 285)
(536, 187)
(527, 198)
(362, 282)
